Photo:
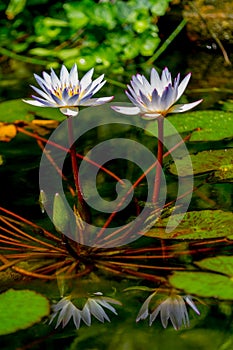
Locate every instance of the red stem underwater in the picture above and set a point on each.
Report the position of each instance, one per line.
(159, 169)
(74, 162)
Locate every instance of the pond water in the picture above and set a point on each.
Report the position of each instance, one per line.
(194, 260)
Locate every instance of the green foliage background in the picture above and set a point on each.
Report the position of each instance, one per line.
(110, 35)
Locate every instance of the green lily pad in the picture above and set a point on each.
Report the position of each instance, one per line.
(203, 284)
(20, 309)
(220, 264)
(219, 161)
(204, 125)
(203, 224)
(13, 110)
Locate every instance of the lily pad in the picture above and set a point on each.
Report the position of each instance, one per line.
(204, 125)
(219, 161)
(13, 110)
(203, 284)
(20, 309)
(196, 225)
(220, 264)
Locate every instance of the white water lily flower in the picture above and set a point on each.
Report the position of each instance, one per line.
(174, 307)
(67, 93)
(94, 306)
(156, 98)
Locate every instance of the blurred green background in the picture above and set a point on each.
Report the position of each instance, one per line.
(110, 35)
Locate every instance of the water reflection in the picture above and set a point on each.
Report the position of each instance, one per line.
(66, 309)
(172, 307)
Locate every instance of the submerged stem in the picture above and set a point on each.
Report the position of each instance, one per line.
(157, 183)
(74, 159)
(81, 202)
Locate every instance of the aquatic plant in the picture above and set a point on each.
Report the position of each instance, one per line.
(68, 93)
(30, 251)
(157, 97)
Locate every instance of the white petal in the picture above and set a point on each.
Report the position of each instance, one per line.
(126, 110)
(61, 315)
(77, 318)
(97, 82)
(110, 300)
(184, 317)
(34, 103)
(137, 79)
(155, 80)
(74, 75)
(190, 302)
(144, 311)
(97, 311)
(132, 92)
(96, 101)
(177, 312)
(64, 76)
(47, 78)
(137, 83)
(146, 86)
(95, 88)
(43, 83)
(165, 308)
(166, 78)
(86, 315)
(104, 303)
(53, 316)
(70, 310)
(62, 303)
(183, 107)
(54, 79)
(41, 93)
(183, 86)
(69, 112)
(150, 116)
(86, 79)
(135, 101)
(154, 314)
(167, 99)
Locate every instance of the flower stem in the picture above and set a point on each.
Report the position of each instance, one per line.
(158, 174)
(82, 208)
(37, 137)
(159, 169)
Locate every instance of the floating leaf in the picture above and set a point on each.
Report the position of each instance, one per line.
(13, 110)
(1, 160)
(220, 264)
(219, 161)
(203, 284)
(20, 309)
(204, 125)
(203, 224)
(7, 132)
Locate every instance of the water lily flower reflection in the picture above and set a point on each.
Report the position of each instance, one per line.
(174, 307)
(158, 97)
(65, 309)
(67, 93)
